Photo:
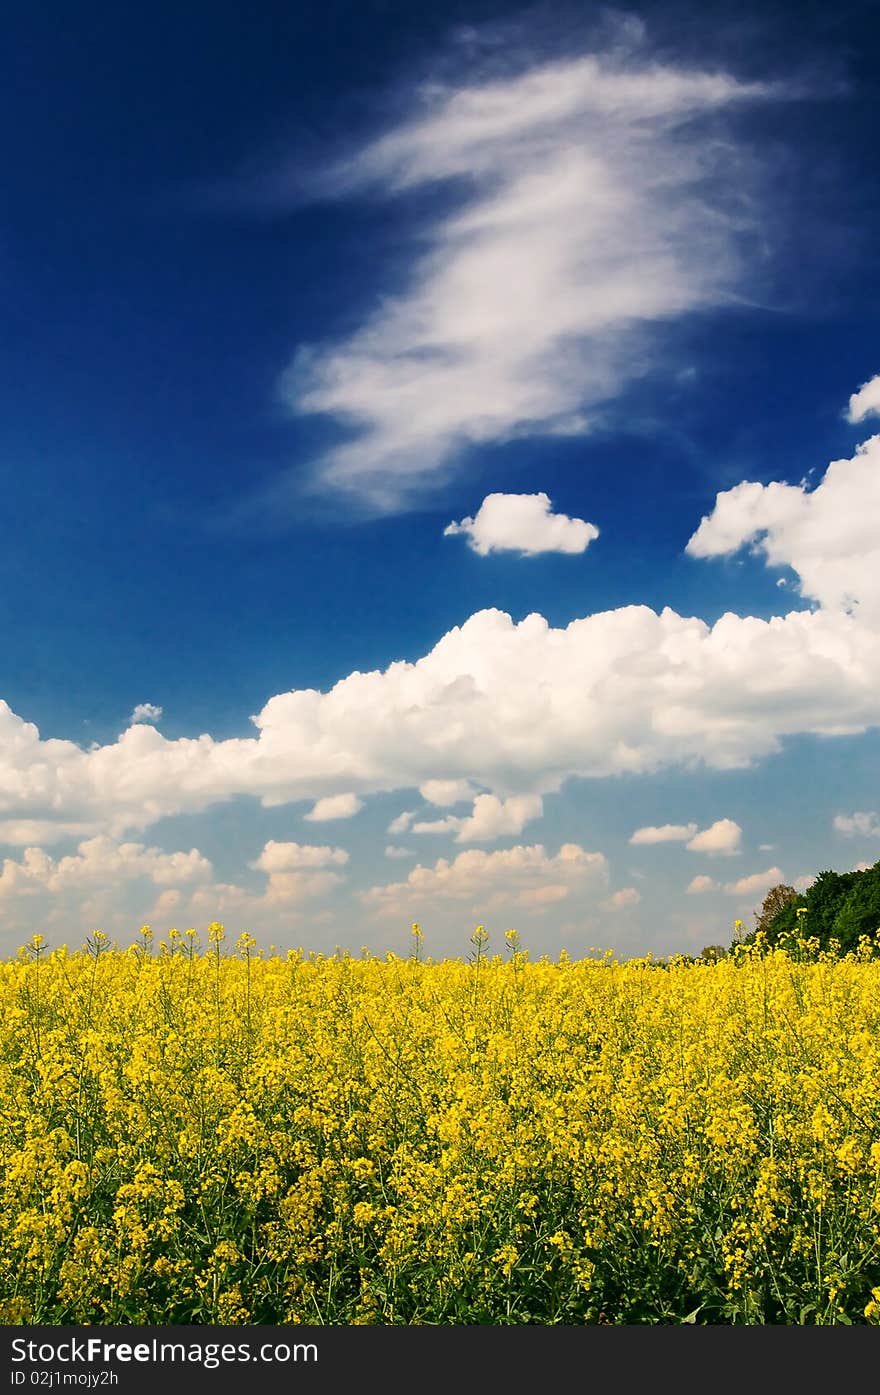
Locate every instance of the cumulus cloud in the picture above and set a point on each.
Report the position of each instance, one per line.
(865, 402)
(524, 875)
(664, 833)
(864, 824)
(290, 888)
(756, 884)
(449, 824)
(700, 885)
(827, 535)
(117, 886)
(395, 852)
(296, 872)
(287, 857)
(145, 712)
(22, 833)
(98, 863)
(402, 822)
(627, 896)
(523, 523)
(443, 793)
(516, 708)
(723, 836)
(334, 806)
(588, 186)
(491, 818)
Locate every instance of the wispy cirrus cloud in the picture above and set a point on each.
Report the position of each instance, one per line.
(589, 199)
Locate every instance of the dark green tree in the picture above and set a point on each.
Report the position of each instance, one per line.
(858, 913)
(836, 909)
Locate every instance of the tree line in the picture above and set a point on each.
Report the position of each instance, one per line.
(837, 909)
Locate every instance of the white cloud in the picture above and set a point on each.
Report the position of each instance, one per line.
(755, 884)
(523, 523)
(699, 886)
(443, 793)
(828, 535)
(449, 824)
(288, 857)
(22, 833)
(334, 806)
(290, 888)
(491, 818)
(627, 896)
(526, 875)
(865, 824)
(865, 402)
(166, 904)
(146, 712)
(723, 836)
(664, 833)
(586, 204)
(393, 852)
(402, 822)
(100, 862)
(517, 708)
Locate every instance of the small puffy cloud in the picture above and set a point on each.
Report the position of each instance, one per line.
(334, 806)
(523, 523)
(864, 824)
(722, 837)
(448, 825)
(627, 896)
(756, 884)
(445, 793)
(491, 818)
(700, 885)
(498, 818)
(804, 883)
(402, 822)
(288, 857)
(394, 852)
(664, 833)
(865, 402)
(527, 875)
(145, 712)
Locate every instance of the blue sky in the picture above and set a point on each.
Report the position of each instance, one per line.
(441, 476)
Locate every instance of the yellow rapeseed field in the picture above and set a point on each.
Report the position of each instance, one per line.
(200, 1133)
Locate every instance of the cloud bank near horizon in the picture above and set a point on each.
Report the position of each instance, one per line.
(497, 715)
